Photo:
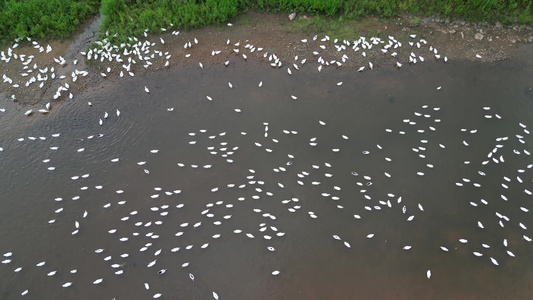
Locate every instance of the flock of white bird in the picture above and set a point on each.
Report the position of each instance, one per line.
(316, 177)
(125, 57)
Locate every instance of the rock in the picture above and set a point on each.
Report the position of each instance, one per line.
(452, 31)
(292, 16)
(478, 36)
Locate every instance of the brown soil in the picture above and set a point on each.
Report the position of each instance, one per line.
(276, 34)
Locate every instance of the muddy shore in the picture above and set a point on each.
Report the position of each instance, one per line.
(275, 34)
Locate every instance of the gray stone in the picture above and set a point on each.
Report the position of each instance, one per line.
(478, 36)
(292, 16)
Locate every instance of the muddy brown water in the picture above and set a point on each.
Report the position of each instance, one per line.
(312, 264)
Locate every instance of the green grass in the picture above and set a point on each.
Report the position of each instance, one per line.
(60, 18)
(43, 19)
(131, 17)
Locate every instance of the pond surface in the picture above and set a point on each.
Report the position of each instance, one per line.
(342, 180)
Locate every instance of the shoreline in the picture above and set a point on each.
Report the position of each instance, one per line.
(272, 34)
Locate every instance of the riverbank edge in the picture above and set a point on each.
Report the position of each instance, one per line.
(289, 29)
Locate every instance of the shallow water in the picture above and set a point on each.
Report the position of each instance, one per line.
(312, 264)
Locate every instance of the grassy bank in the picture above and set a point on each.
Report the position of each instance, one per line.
(43, 18)
(130, 17)
(60, 18)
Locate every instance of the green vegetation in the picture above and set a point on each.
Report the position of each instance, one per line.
(132, 17)
(59, 18)
(43, 18)
(505, 11)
